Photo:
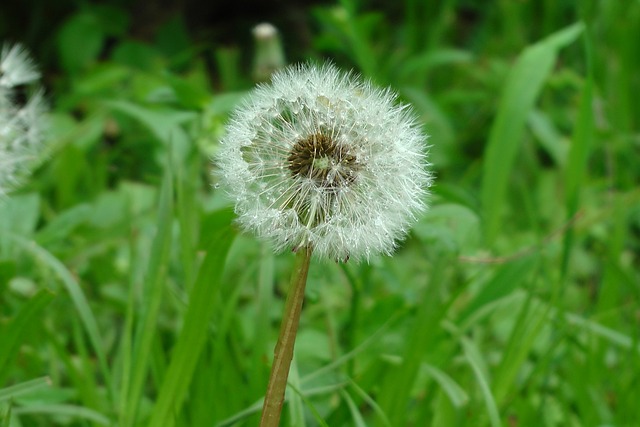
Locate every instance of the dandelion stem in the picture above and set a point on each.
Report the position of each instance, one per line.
(283, 353)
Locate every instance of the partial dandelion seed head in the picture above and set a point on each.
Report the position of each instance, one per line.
(21, 123)
(16, 67)
(323, 158)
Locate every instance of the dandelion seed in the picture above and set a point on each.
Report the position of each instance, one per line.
(322, 158)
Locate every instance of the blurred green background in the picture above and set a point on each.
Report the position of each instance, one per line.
(126, 299)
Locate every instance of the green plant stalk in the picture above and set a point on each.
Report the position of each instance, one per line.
(283, 353)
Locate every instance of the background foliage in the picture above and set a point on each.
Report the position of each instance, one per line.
(127, 299)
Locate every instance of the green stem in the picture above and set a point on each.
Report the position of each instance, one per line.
(283, 353)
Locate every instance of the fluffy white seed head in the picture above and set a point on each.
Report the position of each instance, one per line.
(323, 158)
(16, 67)
(21, 124)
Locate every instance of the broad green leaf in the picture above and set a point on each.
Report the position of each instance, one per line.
(80, 41)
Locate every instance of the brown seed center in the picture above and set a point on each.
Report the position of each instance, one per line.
(327, 163)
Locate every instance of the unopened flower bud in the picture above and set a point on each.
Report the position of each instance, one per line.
(269, 56)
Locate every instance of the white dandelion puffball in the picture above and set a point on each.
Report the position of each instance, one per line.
(21, 123)
(322, 158)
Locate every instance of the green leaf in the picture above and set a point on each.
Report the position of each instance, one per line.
(479, 367)
(531, 318)
(577, 163)
(137, 55)
(80, 41)
(7, 272)
(454, 227)
(165, 125)
(14, 332)
(24, 388)
(20, 214)
(504, 282)
(62, 225)
(5, 415)
(77, 296)
(189, 94)
(456, 394)
(295, 399)
(356, 416)
(523, 85)
(147, 328)
(202, 300)
(66, 411)
(549, 137)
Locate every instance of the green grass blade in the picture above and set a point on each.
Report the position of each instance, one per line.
(60, 227)
(371, 402)
(579, 150)
(523, 84)
(452, 389)
(241, 416)
(65, 411)
(264, 301)
(79, 301)
(608, 334)
(165, 125)
(504, 282)
(188, 214)
(314, 412)
(397, 385)
(13, 333)
(202, 300)
(356, 416)
(524, 335)
(294, 400)
(5, 415)
(156, 273)
(24, 388)
(474, 358)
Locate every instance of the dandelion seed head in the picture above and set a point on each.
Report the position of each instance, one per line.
(322, 158)
(21, 124)
(16, 67)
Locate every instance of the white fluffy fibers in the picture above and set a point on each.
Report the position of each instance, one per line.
(322, 158)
